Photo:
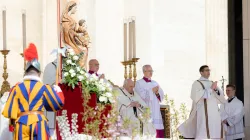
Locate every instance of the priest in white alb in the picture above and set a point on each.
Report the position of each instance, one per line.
(204, 121)
(152, 94)
(232, 113)
(131, 106)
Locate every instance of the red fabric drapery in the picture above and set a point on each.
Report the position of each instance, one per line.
(74, 104)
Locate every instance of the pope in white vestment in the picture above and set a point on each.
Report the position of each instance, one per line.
(232, 113)
(204, 121)
(152, 94)
(5, 134)
(131, 106)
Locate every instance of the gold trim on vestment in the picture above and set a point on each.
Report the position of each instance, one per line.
(206, 113)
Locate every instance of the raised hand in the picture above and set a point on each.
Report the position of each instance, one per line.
(214, 85)
(102, 76)
(155, 89)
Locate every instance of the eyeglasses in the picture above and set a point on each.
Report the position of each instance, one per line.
(151, 71)
(208, 70)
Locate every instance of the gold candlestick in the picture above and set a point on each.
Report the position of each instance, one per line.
(135, 60)
(5, 86)
(130, 68)
(125, 63)
(24, 63)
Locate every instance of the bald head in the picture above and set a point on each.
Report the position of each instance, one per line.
(147, 71)
(129, 85)
(93, 65)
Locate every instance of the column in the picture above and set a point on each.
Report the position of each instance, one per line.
(109, 38)
(246, 62)
(44, 34)
(217, 38)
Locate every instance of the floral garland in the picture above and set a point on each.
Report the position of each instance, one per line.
(74, 75)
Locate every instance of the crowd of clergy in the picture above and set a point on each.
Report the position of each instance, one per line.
(211, 117)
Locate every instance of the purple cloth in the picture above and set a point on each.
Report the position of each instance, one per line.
(147, 79)
(159, 98)
(160, 133)
(92, 72)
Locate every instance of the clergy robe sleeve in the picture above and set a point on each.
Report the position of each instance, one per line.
(11, 107)
(239, 113)
(223, 114)
(198, 93)
(144, 93)
(220, 98)
(139, 99)
(54, 98)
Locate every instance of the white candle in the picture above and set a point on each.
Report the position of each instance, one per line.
(4, 29)
(130, 41)
(24, 28)
(134, 39)
(125, 41)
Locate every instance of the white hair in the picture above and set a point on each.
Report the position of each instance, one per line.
(145, 66)
(126, 82)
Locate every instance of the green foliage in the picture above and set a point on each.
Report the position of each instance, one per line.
(177, 116)
(183, 111)
(72, 73)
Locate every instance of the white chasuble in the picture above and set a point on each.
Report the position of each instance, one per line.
(204, 121)
(5, 134)
(127, 112)
(144, 89)
(233, 112)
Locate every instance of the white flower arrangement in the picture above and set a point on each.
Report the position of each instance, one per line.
(64, 127)
(101, 88)
(73, 75)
